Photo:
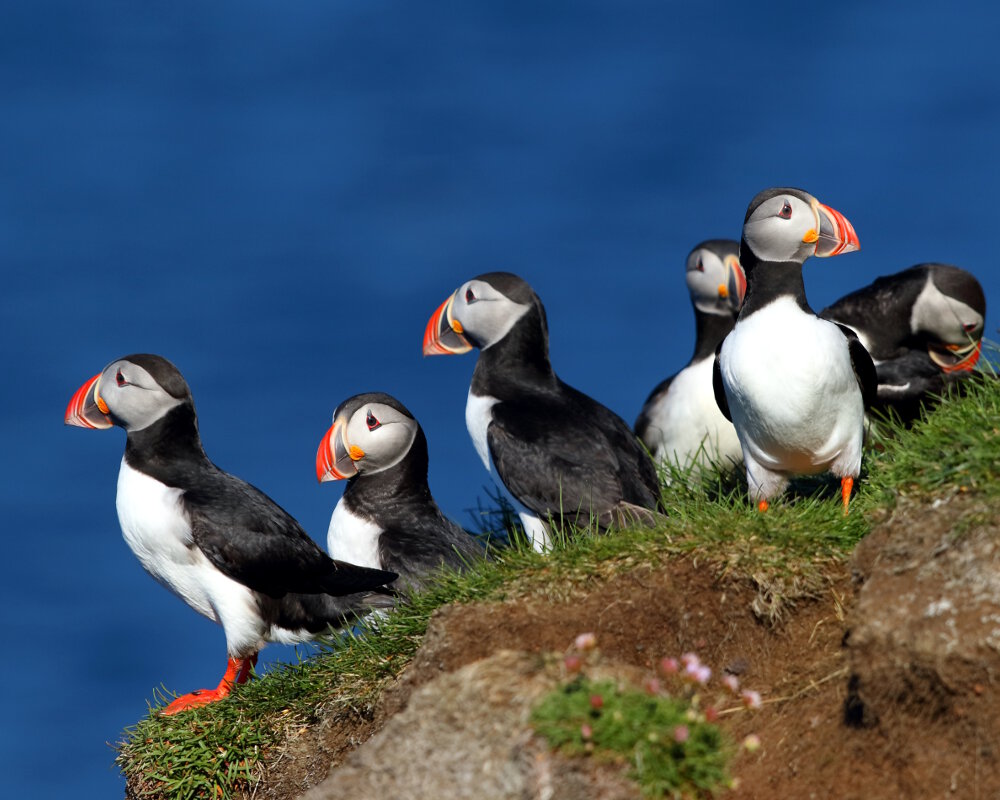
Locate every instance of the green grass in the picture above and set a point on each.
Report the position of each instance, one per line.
(788, 553)
(671, 750)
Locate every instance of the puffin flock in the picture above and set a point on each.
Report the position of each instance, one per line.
(771, 386)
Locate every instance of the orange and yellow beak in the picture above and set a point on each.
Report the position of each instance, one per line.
(955, 357)
(836, 234)
(735, 288)
(443, 335)
(335, 457)
(87, 409)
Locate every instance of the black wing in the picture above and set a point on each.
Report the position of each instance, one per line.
(720, 390)
(569, 455)
(423, 546)
(254, 541)
(864, 367)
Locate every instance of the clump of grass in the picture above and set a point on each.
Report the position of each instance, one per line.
(669, 753)
(663, 730)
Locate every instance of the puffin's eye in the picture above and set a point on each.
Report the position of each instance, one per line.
(470, 296)
(786, 211)
(968, 327)
(372, 422)
(700, 267)
(120, 379)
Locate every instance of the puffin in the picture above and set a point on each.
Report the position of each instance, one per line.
(680, 421)
(218, 543)
(557, 454)
(795, 386)
(923, 327)
(387, 518)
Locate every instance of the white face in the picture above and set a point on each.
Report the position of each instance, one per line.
(484, 314)
(945, 318)
(711, 281)
(132, 397)
(782, 228)
(383, 434)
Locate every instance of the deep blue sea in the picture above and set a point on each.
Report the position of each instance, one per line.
(276, 196)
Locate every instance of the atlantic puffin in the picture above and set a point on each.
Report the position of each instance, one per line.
(218, 543)
(558, 454)
(680, 422)
(387, 518)
(795, 386)
(923, 327)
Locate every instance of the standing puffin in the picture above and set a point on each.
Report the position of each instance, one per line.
(218, 543)
(387, 518)
(680, 422)
(560, 454)
(923, 327)
(795, 386)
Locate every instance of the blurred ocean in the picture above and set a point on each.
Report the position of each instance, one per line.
(276, 196)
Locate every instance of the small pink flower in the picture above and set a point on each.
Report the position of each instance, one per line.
(573, 663)
(669, 666)
(585, 641)
(751, 699)
(711, 714)
(690, 660)
(731, 682)
(652, 685)
(596, 701)
(751, 743)
(586, 731)
(681, 734)
(697, 673)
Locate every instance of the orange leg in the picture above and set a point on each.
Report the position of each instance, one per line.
(238, 670)
(846, 485)
(763, 505)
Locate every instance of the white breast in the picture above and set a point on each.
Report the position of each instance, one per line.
(687, 424)
(478, 415)
(158, 531)
(792, 391)
(353, 539)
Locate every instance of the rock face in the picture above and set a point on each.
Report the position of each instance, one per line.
(924, 644)
(466, 734)
(899, 699)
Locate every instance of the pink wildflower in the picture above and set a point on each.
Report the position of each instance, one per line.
(731, 682)
(751, 699)
(681, 734)
(585, 641)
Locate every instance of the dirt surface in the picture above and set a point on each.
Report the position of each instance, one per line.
(886, 686)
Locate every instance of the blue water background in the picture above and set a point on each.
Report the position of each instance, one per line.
(276, 196)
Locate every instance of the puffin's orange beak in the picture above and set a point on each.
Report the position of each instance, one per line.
(443, 334)
(836, 234)
(87, 409)
(736, 286)
(956, 357)
(335, 459)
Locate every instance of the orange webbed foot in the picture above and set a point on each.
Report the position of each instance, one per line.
(238, 671)
(763, 505)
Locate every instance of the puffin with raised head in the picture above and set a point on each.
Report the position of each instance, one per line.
(558, 454)
(218, 543)
(680, 422)
(387, 518)
(923, 327)
(795, 386)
